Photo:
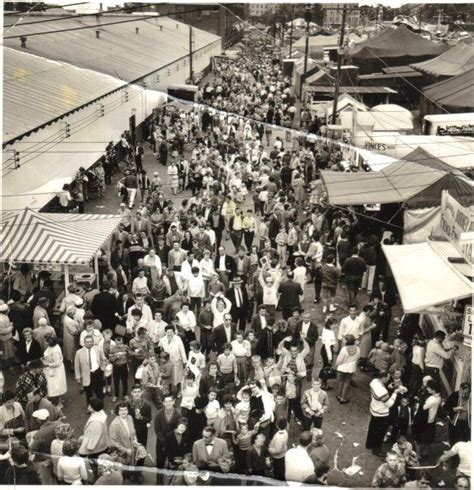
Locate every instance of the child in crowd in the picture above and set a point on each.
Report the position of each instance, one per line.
(106, 344)
(271, 372)
(212, 407)
(242, 409)
(196, 359)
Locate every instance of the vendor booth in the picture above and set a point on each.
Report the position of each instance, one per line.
(429, 285)
(59, 243)
(393, 47)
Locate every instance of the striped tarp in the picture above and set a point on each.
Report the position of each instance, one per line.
(53, 238)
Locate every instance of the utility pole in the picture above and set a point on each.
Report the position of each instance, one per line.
(191, 74)
(307, 16)
(291, 29)
(340, 54)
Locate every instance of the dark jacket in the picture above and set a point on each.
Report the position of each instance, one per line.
(219, 337)
(230, 295)
(354, 267)
(290, 292)
(162, 426)
(104, 307)
(312, 335)
(22, 476)
(229, 264)
(35, 351)
(175, 449)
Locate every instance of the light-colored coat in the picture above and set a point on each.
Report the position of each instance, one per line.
(82, 369)
(119, 437)
(219, 450)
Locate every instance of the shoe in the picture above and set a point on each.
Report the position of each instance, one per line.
(325, 309)
(316, 301)
(343, 402)
(332, 308)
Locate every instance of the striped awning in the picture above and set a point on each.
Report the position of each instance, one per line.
(53, 238)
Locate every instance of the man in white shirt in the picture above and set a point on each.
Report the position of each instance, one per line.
(186, 319)
(350, 325)
(242, 351)
(147, 315)
(298, 464)
(464, 451)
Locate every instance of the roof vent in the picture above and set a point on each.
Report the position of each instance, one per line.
(137, 30)
(97, 34)
(23, 41)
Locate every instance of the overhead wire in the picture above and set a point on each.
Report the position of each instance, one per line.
(77, 16)
(72, 29)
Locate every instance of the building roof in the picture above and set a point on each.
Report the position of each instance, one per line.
(37, 90)
(457, 91)
(54, 238)
(397, 182)
(353, 90)
(457, 60)
(395, 43)
(119, 52)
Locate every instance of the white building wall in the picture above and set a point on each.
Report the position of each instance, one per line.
(47, 158)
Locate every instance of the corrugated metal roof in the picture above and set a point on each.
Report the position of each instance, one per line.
(353, 90)
(459, 59)
(456, 91)
(119, 51)
(37, 90)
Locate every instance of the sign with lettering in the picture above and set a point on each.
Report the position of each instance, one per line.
(455, 130)
(467, 325)
(457, 220)
(372, 145)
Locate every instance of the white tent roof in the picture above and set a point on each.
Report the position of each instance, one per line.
(393, 119)
(424, 278)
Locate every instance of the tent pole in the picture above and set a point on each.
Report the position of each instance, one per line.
(96, 269)
(66, 278)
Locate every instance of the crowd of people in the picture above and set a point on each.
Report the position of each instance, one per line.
(199, 331)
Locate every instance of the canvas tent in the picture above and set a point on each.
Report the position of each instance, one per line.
(393, 46)
(424, 157)
(54, 238)
(414, 266)
(457, 60)
(456, 94)
(384, 117)
(395, 183)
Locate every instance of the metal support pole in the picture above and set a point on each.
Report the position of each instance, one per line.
(339, 63)
(306, 52)
(66, 278)
(96, 270)
(291, 30)
(191, 74)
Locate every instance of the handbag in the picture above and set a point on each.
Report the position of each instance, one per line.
(327, 373)
(120, 330)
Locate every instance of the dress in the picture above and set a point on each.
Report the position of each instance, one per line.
(70, 327)
(173, 178)
(55, 372)
(175, 349)
(365, 344)
(6, 341)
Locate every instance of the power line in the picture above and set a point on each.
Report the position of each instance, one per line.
(138, 19)
(44, 7)
(76, 16)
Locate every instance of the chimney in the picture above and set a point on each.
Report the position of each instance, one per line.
(23, 41)
(137, 29)
(97, 34)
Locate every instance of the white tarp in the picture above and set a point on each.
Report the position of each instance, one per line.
(418, 224)
(424, 278)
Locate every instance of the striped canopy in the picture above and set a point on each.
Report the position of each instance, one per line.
(53, 238)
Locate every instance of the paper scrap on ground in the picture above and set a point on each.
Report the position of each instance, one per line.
(355, 444)
(338, 434)
(352, 469)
